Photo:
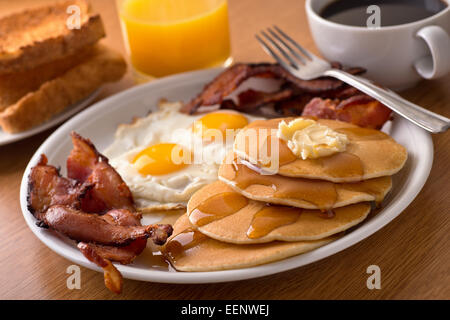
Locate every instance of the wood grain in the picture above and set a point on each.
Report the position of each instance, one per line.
(412, 251)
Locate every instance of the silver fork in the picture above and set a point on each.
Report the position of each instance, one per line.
(306, 66)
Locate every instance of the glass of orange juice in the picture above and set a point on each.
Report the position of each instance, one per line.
(170, 36)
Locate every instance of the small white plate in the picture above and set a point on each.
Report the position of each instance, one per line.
(99, 124)
(6, 138)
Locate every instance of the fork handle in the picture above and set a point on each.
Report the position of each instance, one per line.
(425, 119)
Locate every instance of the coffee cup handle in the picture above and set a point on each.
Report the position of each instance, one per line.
(438, 63)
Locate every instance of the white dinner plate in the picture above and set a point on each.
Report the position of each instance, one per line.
(99, 123)
(6, 138)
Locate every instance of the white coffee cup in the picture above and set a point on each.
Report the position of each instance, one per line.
(395, 56)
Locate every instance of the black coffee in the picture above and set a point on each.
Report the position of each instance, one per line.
(392, 12)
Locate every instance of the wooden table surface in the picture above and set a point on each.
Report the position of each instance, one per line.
(412, 251)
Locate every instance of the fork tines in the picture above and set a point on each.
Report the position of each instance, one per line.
(282, 43)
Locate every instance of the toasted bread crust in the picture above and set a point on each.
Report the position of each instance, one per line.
(55, 95)
(37, 36)
(14, 86)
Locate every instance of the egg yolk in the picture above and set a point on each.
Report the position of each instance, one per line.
(162, 158)
(217, 123)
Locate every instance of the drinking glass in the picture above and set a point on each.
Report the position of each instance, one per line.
(163, 37)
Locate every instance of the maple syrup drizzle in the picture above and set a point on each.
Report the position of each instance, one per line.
(318, 192)
(285, 154)
(159, 262)
(217, 207)
(270, 218)
(328, 214)
(342, 164)
(176, 247)
(374, 187)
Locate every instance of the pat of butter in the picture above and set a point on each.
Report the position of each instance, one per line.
(308, 139)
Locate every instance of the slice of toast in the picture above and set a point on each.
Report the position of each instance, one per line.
(102, 66)
(14, 86)
(38, 36)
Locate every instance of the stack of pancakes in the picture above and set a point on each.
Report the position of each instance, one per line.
(250, 217)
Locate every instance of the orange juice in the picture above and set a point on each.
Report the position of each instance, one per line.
(169, 36)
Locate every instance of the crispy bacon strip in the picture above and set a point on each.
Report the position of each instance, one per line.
(82, 159)
(93, 206)
(232, 77)
(86, 227)
(46, 187)
(128, 253)
(112, 277)
(361, 110)
(250, 100)
(292, 107)
(102, 255)
(225, 83)
(122, 217)
(317, 86)
(123, 255)
(86, 165)
(321, 108)
(288, 101)
(344, 93)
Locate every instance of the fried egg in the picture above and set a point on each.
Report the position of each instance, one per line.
(167, 156)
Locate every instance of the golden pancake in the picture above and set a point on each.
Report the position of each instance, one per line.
(298, 192)
(223, 214)
(369, 154)
(190, 250)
